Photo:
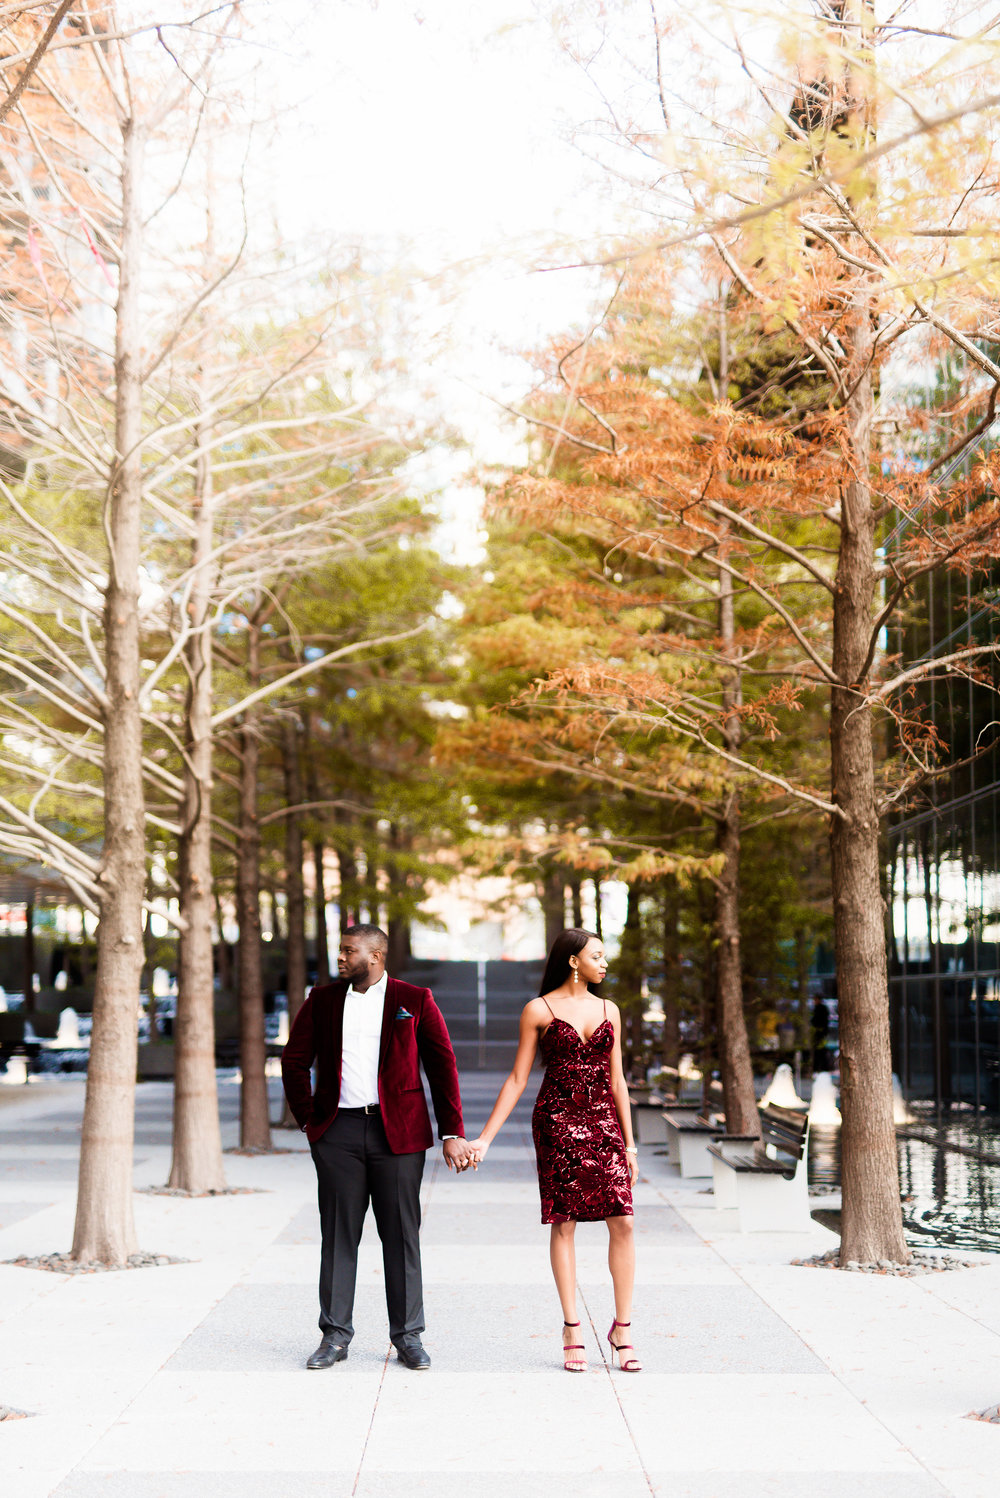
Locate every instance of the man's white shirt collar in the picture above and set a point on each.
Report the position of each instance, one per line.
(376, 990)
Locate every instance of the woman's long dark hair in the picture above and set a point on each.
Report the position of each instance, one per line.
(566, 945)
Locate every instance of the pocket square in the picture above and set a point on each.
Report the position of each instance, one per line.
(402, 1013)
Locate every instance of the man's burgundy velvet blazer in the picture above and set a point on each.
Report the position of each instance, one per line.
(413, 1031)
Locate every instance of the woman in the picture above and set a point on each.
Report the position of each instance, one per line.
(582, 1128)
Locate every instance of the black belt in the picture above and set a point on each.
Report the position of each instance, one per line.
(364, 1112)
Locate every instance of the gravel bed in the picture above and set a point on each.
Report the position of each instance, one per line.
(923, 1262)
(63, 1264)
(256, 1150)
(176, 1191)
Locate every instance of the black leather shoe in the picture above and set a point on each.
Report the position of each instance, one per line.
(327, 1353)
(412, 1355)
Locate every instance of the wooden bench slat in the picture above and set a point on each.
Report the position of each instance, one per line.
(778, 1150)
(753, 1163)
(784, 1146)
(687, 1123)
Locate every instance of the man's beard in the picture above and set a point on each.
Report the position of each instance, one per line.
(356, 974)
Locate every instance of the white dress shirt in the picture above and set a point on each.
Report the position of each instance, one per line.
(362, 1037)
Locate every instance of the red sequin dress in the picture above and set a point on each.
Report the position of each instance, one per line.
(583, 1172)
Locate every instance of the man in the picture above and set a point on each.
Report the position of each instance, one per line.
(369, 1130)
(820, 1025)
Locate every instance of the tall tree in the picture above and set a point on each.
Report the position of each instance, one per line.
(255, 1118)
(856, 246)
(243, 468)
(104, 1227)
(196, 1163)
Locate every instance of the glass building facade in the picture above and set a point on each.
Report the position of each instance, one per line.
(943, 859)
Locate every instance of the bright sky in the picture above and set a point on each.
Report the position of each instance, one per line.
(434, 137)
(437, 137)
(438, 120)
(437, 134)
(433, 141)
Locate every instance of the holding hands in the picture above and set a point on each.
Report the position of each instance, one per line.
(478, 1148)
(459, 1154)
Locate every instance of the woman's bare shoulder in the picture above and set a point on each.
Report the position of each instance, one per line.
(535, 1009)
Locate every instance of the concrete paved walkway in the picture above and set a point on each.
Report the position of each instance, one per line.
(763, 1380)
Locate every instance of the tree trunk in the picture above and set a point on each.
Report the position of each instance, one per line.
(347, 897)
(295, 900)
(576, 894)
(146, 979)
(397, 907)
(319, 886)
(105, 1228)
(871, 1220)
(372, 900)
(399, 945)
(146, 976)
(275, 914)
(255, 1115)
(598, 914)
(670, 1044)
(29, 957)
(224, 954)
(709, 1005)
(553, 902)
(319, 899)
(735, 1067)
(196, 1163)
(803, 959)
(629, 974)
(84, 950)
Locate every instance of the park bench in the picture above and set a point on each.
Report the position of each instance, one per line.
(648, 1126)
(689, 1134)
(765, 1179)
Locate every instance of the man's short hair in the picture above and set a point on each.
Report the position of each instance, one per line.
(373, 935)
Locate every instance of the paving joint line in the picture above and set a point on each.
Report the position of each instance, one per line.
(617, 1397)
(947, 1492)
(371, 1425)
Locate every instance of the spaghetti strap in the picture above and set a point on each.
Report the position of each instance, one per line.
(605, 1004)
(547, 1005)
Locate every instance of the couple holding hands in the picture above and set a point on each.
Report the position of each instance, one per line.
(369, 1129)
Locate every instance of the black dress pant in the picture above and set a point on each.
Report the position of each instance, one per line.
(355, 1166)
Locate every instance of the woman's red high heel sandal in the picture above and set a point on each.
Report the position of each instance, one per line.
(627, 1365)
(573, 1365)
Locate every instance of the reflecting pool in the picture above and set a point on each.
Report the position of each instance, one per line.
(949, 1176)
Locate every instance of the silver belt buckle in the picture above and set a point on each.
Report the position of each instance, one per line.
(371, 1108)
